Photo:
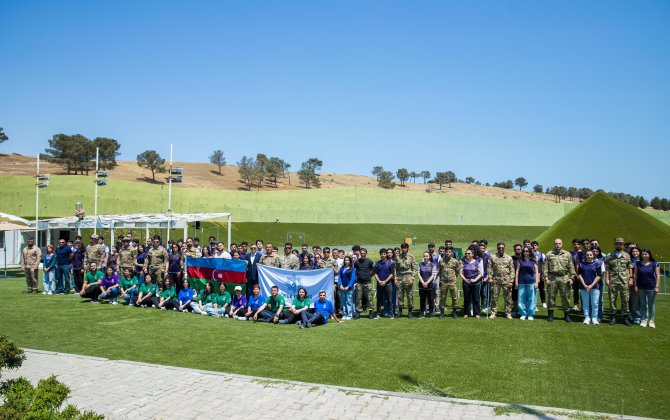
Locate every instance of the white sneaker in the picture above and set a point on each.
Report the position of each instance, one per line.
(523, 318)
(643, 323)
(114, 302)
(575, 308)
(651, 324)
(530, 318)
(44, 293)
(587, 321)
(595, 322)
(544, 305)
(50, 293)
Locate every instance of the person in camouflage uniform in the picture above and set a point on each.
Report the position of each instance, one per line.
(558, 271)
(618, 267)
(95, 252)
(156, 261)
(289, 260)
(190, 251)
(448, 270)
(501, 276)
(406, 269)
(127, 256)
(269, 259)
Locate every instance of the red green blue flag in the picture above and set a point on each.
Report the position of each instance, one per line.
(232, 273)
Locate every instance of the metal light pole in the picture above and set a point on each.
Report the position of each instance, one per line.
(95, 205)
(37, 204)
(169, 197)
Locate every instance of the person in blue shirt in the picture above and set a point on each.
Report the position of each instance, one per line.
(647, 278)
(185, 296)
(64, 256)
(347, 279)
(323, 310)
(589, 274)
(255, 301)
(49, 265)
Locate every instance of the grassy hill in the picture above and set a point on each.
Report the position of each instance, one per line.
(605, 218)
(332, 205)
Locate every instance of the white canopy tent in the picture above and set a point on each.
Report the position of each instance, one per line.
(10, 239)
(132, 221)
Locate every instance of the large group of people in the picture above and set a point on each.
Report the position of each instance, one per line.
(153, 275)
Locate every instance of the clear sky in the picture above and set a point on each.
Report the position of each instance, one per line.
(562, 92)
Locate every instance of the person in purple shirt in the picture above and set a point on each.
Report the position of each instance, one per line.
(323, 310)
(109, 287)
(647, 277)
(238, 303)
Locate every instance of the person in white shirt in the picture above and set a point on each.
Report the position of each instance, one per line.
(221, 251)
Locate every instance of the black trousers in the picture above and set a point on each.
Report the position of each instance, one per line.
(78, 279)
(426, 296)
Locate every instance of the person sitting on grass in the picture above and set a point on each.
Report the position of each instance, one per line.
(238, 304)
(323, 310)
(299, 306)
(128, 285)
(271, 310)
(166, 298)
(109, 286)
(147, 291)
(92, 280)
(204, 298)
(185, 297)
(256, 300)
(219, 304)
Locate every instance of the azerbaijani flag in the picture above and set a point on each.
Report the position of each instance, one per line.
(216, 270)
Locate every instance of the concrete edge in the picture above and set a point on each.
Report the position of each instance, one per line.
(275, 381)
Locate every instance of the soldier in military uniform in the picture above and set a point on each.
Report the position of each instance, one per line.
(156, 261)
(501, 273)
(127, 256)
(190, 251)
(95, 252)
(558, 271)
(618, 266)
(270, 258)
(406, 269)
(448, 270)
(289, 260)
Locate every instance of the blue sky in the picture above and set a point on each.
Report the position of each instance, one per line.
(561, 92)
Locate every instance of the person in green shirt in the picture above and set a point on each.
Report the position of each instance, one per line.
(299, 305)
(92, 280)
(221, 303)
(271, 310)
(128, 285)
(147, 291)
(204, 298)
(166, 298)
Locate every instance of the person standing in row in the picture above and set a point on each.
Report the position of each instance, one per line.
(472, 271)
(427, 274)
(289, 261)
(49, 267)
(539, 259)
(406, 269)
(647, 285)
(619, 269)
(95, 253)
(527, 279)
(64, 256)
(30, 263)
(383, 276)
(269, 259)
(501, 276)
(448, 271)
(127, 256)
(364, 287)
(559, 270)
(589, 274)
(156, 263)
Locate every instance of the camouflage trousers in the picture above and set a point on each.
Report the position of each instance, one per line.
(445, 288)
(559, 284)
(405, 290)
(157, 276)
(496, 288)
(367, 290)
(619, 290)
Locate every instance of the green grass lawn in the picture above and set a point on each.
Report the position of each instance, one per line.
(599, 368)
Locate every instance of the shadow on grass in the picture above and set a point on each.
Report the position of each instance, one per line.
(217, 173)
(150, 180)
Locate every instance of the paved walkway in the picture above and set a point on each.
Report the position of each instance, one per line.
(123, 389)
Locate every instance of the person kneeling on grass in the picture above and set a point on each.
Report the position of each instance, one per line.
(256, 300)
(238, 305)
(128, 285)
(109, 286)
(299, 306)
(206, 297)
(272, 309)
(147, 291)
(92, 280)
(323, 310)
(166, 298)
(185, 297)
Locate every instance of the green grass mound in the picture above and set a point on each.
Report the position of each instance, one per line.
(605, 218)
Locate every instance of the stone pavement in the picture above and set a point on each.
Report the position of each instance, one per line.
(124, 389)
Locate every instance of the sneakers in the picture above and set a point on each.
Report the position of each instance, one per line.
(594, 321)
(587, 321)
(493, 315)
(651, 324)
(371, 316)
(163, 308)
(309, 325)
(643, 324)
(530, 318)
(44, 293)
(283, 321)
(114, 302)
(301, 324)
(485, 310)
(184, 310)
(523, 318)
(509, 316)
(376, 316)
(575, 308)
(544, 305)
(95, 301)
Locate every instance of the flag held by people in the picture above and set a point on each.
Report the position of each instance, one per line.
(232, 273)
(289, 281)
